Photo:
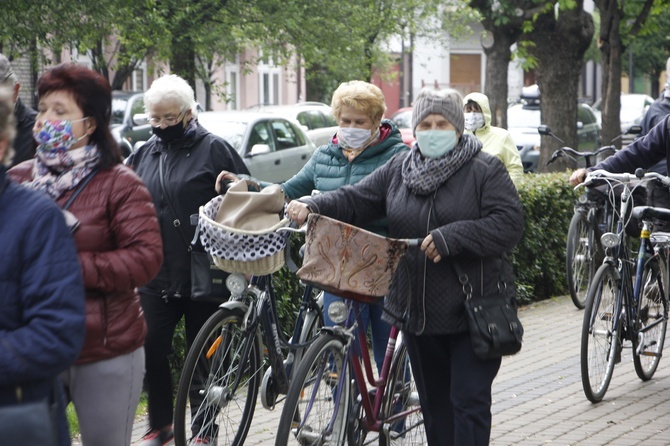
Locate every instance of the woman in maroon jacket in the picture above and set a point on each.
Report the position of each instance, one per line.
(118, 242)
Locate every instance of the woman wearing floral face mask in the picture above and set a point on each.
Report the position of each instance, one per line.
(118, 242)
(495, 140)
(463, 204)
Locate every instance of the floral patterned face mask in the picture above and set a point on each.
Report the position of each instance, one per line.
(55, 136)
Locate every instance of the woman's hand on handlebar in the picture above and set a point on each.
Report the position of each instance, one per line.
(223, 177)
(429, 248)
(297, 212)
(578, 177)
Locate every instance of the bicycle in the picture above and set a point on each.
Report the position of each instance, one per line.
(628, 298)
(329, 401)
(592, 216)
(223, 370)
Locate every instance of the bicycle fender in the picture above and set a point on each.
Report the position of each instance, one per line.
(234, 306)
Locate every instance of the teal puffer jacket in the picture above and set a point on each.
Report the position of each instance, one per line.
(328, 169)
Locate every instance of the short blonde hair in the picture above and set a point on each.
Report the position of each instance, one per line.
(171, 88)
(361, 96)
(7, 122)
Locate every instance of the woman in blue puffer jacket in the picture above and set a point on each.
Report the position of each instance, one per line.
(364, 142)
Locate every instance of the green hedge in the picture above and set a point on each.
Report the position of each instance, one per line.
(539, 258)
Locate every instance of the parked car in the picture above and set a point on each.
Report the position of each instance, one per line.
(315, 117)
(125, 129)
(402, 118)
(273, 148)
(633, 108)
(523, 120)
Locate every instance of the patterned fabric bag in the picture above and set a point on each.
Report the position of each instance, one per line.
(348, 261)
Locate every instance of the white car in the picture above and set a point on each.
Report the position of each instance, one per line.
(633, 109)
(315, 117)
(273, 148)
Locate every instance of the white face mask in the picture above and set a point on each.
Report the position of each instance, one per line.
(354, 138)
(473, 121)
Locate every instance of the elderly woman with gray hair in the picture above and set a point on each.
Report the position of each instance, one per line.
(179, 165)
(463, 204)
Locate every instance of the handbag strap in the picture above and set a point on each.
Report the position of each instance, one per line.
(465, 281)
(176, 222)
(80, 187)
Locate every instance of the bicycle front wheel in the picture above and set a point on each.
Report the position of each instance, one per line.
(579, 258)
(218, 387)
(599, 345)
(651, 323)
(317, 405)
(401, 397)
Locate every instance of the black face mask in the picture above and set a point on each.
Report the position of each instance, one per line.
(171, 133)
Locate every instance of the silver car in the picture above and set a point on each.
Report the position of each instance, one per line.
(273, 148)
(315, 117)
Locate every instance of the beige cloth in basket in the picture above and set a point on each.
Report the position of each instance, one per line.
(251, 211)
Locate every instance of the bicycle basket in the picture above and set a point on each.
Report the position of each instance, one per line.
(238, 230)
(348, 261)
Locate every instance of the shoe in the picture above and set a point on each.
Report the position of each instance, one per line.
(209, 441)
(161, 437)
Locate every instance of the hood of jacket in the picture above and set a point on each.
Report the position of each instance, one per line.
(483, 101)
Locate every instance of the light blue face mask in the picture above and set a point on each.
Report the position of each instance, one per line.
(436, 143)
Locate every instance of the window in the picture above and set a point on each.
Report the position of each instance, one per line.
(260, 134)
(584, 116)
(285, 135)
(138, 107)
(270, 81)
(233, 85)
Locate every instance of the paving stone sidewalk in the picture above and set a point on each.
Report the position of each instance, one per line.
(538, 397)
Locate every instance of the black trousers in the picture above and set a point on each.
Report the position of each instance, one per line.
(162, 318)
(454, 388)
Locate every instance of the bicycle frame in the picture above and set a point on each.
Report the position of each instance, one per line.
(356, 353)
(260, 302)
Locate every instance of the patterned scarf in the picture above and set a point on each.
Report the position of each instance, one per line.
(424, 175)
(56, 174)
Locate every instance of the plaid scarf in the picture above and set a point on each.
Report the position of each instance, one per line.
(55, 174)
(424, 175)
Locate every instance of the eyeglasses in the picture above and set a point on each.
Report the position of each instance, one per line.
(169, 120)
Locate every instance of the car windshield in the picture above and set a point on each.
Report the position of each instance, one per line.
(118, 110)
(517, 116)
(403, 120)
(231, 131)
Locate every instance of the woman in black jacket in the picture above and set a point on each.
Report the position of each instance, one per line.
(188, 158)
(464, 206)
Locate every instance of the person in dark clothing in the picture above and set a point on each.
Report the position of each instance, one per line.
(186, 158)
(43, 317)
(24, 144)
(660, 108)
(463, 204)
(646, 152)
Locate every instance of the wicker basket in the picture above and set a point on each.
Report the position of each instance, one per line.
(241, 251)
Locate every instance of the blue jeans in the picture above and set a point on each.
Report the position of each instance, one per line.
(372, 317)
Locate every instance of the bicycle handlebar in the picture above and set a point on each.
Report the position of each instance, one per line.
(576, 154)
(624, 177)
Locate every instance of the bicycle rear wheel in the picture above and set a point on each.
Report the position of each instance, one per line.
(209, 404)
(599, 345)
(651, 323)
(400, 396)
(318, 397)
(579, 258)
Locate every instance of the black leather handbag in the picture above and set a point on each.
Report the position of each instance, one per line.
(208, 283)
(495, 328)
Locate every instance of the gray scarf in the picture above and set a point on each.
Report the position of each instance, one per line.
(424, 175)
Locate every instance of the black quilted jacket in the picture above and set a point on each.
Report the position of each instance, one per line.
(477, 217)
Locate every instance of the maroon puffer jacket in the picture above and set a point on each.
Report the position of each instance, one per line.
(120, 248)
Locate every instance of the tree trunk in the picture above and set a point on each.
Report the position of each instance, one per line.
(123, 72)
(611, 49)
(498, 57)
(182, 62)
(560, 44)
